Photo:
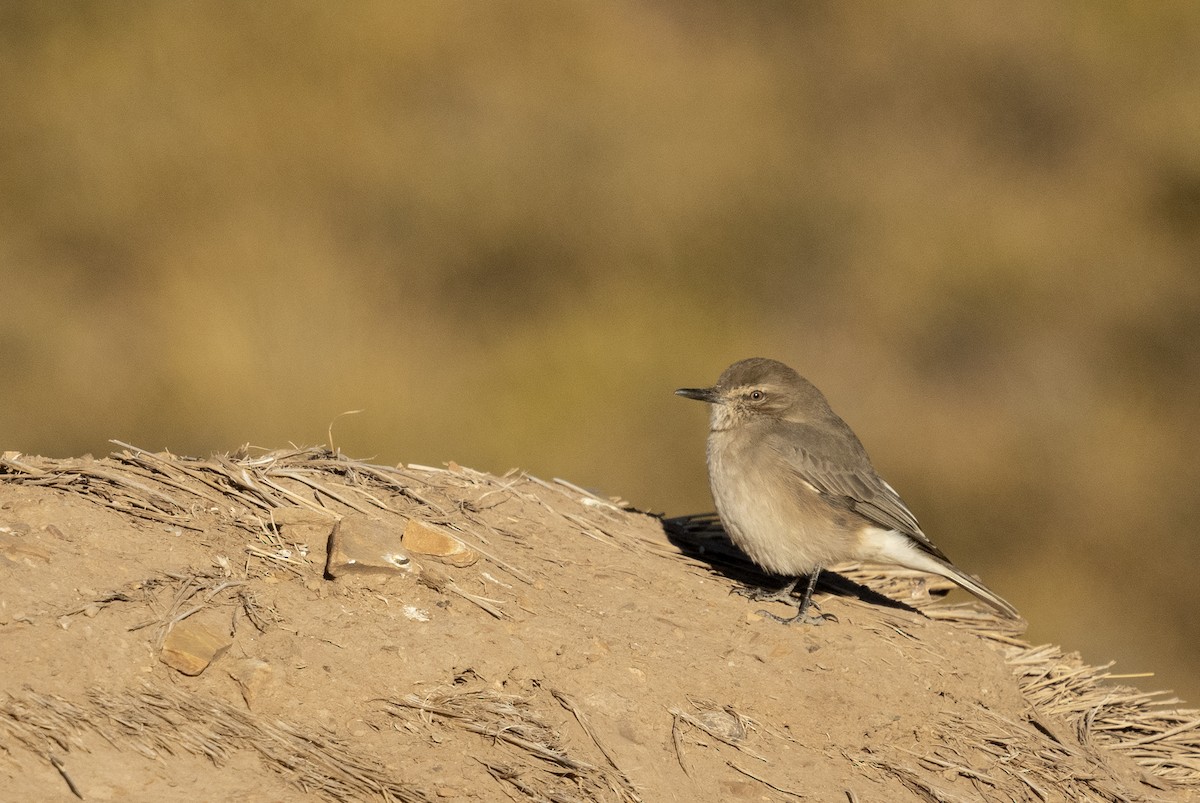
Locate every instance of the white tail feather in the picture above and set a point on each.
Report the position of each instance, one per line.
(889, 546)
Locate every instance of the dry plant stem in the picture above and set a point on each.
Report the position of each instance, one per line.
(627, 787)
(483, 603)
(677, 740)
(765, 782)
(504, 734)
(58, 765)
(683, 716)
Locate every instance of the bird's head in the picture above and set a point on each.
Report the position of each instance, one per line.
(757, 389)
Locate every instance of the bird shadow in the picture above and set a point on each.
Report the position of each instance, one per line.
(701, 536)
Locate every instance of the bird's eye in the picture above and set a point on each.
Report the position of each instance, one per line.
(756, 395)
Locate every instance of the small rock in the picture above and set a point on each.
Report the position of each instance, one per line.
(415, 614)
(191, 646)
(14, 548)
(425, 539)
(359, 544)
(252, 676)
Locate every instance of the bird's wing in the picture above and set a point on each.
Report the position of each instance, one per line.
(809, 453)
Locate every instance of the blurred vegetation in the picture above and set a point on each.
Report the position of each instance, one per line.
(507, 231)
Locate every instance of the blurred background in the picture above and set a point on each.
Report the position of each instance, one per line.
(507, 232)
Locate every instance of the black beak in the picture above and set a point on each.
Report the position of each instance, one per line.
(709, 395)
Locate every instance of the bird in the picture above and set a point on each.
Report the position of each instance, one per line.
(796, 491)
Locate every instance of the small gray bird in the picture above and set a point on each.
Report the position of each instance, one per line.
(796, 491)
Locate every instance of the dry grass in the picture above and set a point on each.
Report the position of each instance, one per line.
(157, 722)
(1149, 727)
(1028, 760)
(545, 769)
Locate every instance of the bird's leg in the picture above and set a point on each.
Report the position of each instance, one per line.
(802, 614)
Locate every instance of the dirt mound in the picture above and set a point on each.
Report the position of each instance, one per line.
(320, 627)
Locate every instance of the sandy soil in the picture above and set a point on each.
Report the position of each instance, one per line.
(551, 646)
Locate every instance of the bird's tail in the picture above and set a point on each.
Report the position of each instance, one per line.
(890, 546)
(951, 572)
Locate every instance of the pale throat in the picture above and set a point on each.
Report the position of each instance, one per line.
(721, 418)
